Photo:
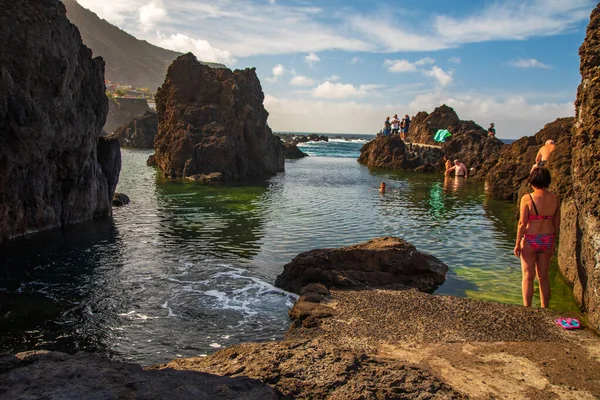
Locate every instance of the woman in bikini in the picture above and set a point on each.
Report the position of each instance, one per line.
(538, 226)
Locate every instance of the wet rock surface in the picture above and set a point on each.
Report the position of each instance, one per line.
(53, 106)
(214, 121)
(379, 262)
(54, 375)
(139, 133)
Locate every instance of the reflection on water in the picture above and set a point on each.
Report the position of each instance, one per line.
(187, 268)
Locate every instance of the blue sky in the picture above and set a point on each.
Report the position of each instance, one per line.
(343, 66)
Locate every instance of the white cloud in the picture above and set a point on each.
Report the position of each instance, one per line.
(333, 78)
(278, 71)
(151, 13)
(399, 66)
(454, 60)
(529, 63)
(300, 80)
(329, 90)
(514, 20)
(356, 60)
(444, 78)
(312, 59)
(424, 61)
(201, 48)
(514, 115)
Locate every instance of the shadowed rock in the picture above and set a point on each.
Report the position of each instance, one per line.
(213, 121)
(54, 170)
(392, 153)
(139, 133)
(292, 152)
(383, 262)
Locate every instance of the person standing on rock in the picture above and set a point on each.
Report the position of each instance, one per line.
(460, 170)
(539, 224)
(395, 124)
(387, 127)
(492, 131)
(405, 126)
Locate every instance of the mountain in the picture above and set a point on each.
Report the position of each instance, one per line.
(128, 60)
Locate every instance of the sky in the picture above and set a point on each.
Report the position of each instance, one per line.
(336, 66)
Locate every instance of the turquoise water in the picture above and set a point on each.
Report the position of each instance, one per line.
(187, 268)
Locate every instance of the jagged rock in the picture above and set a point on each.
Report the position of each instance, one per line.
(121, 111)
(392, 153)
(53, 106)
(213, 121)
(381, 262)
(54, 375)
(469, 143)
(507, 174)
(120, 199)
(292, 152)
(582, 223)
(139, 133)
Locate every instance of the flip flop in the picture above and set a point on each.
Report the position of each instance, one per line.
(574, 323)
(562, 322)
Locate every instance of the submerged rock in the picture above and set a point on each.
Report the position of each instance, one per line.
(214, 121)
(55, 170)
(120, 199)
(382, 262)
(139, 133)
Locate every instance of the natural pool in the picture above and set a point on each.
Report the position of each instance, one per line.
(187, 268)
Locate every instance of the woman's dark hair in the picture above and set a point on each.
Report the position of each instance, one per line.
(540, 178)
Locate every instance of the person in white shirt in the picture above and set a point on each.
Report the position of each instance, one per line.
(459, 169)
(395, 124)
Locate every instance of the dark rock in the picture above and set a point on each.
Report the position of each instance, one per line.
(120, 199)
(392, 153)
(582, 244)
(109, 158)
(54, 375)
(53, 106)
(507, 174)
(121, 111)
(301, 139)
(151, 162)
(292, 152)
(382, 262)
(139, 133)
(213, 121)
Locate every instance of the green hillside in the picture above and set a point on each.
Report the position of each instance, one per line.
(128, 60)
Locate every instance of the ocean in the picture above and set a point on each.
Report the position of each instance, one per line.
(187, 268)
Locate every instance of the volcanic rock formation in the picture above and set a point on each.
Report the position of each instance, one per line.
(581, 227)
(139, 133)
(212, 122)
(53, 169)
(379, 262)
(292, 152)
(507, 174)
(469, 143)
(392, 153)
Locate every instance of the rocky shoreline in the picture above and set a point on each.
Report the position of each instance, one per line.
(359, 343)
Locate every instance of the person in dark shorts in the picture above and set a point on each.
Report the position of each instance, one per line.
(405, 126)
(492, 131)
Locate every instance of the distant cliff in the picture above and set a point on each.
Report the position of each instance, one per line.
(128, 60)
(212, 122)
(54, 167)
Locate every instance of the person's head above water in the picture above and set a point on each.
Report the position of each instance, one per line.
(382, 186)
(549, 142)
(540, 178)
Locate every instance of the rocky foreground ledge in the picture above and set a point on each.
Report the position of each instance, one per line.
(361, 342)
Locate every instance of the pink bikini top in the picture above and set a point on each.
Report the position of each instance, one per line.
(537, 216)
